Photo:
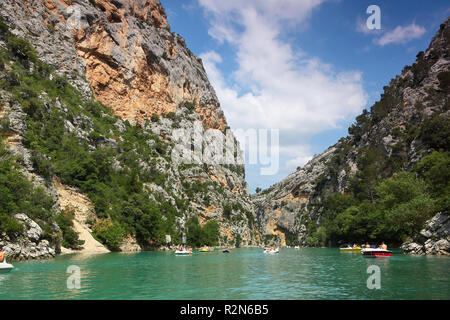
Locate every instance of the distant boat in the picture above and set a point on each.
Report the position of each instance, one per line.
(271, 251)
(5, 267)
(182, 252)
(350, 249)
(370, 252)
(226, 251)
(206, 250)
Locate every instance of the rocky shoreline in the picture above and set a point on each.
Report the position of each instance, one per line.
(29, 244)
(434, 239)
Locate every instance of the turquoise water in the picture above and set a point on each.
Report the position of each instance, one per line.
(246, 273)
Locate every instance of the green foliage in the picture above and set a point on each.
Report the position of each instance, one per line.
(251, 219)
(435, 170)
(361, 125)
(268, 238)
(400, 209)
(389, 99)
(370, 168)
(110, 233)
(317, 239)
(171, 116)
(4, 29)
(237, 241)
(227, 211)
(198, 236)
(435, 132)
(190, 106)
(22, 50)
(420, 68)
(70, 237)
(211, 233)
(18, 195)
(42, 165)
(10, 226)
(444, 81)
(154, 118)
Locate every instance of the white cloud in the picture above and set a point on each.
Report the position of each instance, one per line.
(401, 35)
(275, 86)
(298, 155)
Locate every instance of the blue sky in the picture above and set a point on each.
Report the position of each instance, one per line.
(304, 67)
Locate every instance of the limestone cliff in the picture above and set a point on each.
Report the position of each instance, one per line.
(286, 211)
(123, 50)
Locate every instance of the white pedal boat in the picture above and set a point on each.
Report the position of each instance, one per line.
(182, 252)
(272, 251)
(5, 267)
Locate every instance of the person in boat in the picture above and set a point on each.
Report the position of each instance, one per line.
(367, 245)
(383, 246)
(2, 255)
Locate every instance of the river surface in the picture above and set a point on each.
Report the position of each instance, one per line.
(246, 273)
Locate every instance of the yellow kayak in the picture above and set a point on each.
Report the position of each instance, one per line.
(350, 249)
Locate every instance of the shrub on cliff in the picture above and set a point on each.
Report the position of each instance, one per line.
(18, 195)
(435, 170)
(70, 237)
(154, 118)
(110, 233)
(435, 132)
(198, 236)
(211, 233)
(22, 50)
(444, 81)
(10, 226)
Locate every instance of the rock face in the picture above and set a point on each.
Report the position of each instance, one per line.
(285, 209)
(28, 245)
(281, 209)
(433, 239)
(123, 50)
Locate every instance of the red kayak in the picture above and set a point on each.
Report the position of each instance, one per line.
(370, 252)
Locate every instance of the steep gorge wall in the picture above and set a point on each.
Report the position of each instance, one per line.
(123, 54)
(288, 207)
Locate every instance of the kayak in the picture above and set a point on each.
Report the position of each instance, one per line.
(370, 252)
(350, 249)
(226, 251)
(205, 250)
(5, 267)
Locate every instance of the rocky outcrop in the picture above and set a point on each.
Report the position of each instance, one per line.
(123, 50)
(433, 239)
(29, 244)
(288, 207)
(282, 209)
